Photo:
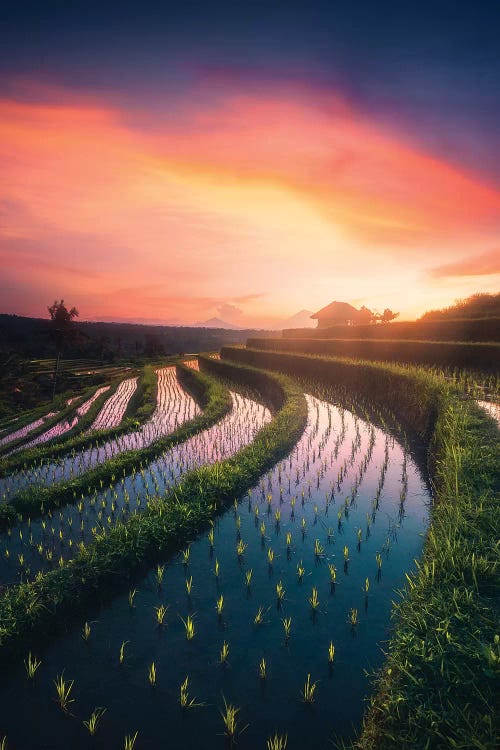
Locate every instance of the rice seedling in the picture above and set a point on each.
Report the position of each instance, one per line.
(314, 599)
(270, 556)
(332, 570)
(366, 587)
(189, 585)
(378, 558)
(262, 669)
(287, 627)
(160, 570)
(224, 653)
(259, 617)
(216, 569)
(300, 571)
(346, 554)
(86, 631)
(152, 674)
(353, 617)
(308, 690)
(331, 653)
(219, 605)
(189, 627)
(130, 740)
(31, 664)
(3, 743)
(121, 655)
(277, 742)
(241, 547)
(248, 577)
(280, 592)
(262, 530)
(92, 723)
(186, 553)
(318, 549)
(160, 612)
(63, 691)
(184, 698)
(230, 720)
(131, 597)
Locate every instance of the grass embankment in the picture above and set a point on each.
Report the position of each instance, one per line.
(441, 677)
(31, 611)
(35, 501)
(473, 356)
(67, 412)
(139, 409)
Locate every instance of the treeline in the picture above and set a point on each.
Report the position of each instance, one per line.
(33, 337)
(476, 306)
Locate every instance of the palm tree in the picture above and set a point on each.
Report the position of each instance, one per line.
(61, 318)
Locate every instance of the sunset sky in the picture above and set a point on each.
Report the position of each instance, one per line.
(171, 163)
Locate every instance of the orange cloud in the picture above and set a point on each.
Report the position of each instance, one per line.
(486, 264)
(271, 204)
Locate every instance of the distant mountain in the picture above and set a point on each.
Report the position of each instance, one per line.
(217, 323)
(301, 319)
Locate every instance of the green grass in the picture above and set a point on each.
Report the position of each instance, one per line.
(30, 611)
(475, 356)
(441, 677)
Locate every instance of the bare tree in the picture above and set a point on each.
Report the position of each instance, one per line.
(61, 318)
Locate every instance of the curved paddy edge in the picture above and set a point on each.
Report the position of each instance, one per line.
(139, 410)
(33, 611)
(438, 685)
(30, 503)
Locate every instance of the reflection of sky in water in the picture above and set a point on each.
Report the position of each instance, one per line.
(115, 407)
(174, 407)
(43, 541)
(331, 480)
(65, 425)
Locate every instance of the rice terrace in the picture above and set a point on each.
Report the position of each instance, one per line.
(250, 460)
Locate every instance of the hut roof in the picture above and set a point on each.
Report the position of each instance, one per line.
(336, 309)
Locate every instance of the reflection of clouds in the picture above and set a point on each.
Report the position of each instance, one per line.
(492, 409)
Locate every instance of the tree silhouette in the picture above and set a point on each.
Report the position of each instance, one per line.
(61, 319)
(388, 315)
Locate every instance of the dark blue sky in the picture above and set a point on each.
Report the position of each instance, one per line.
(429, 69)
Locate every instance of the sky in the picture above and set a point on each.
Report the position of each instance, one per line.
(176, 162)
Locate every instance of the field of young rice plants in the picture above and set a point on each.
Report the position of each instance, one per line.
(65, 425)
(39, 545)
(174, 407)
(260, 630)
(115, 407)
(22, 432)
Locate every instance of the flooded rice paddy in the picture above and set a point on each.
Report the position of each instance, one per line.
(174, 407)
(277, 610)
